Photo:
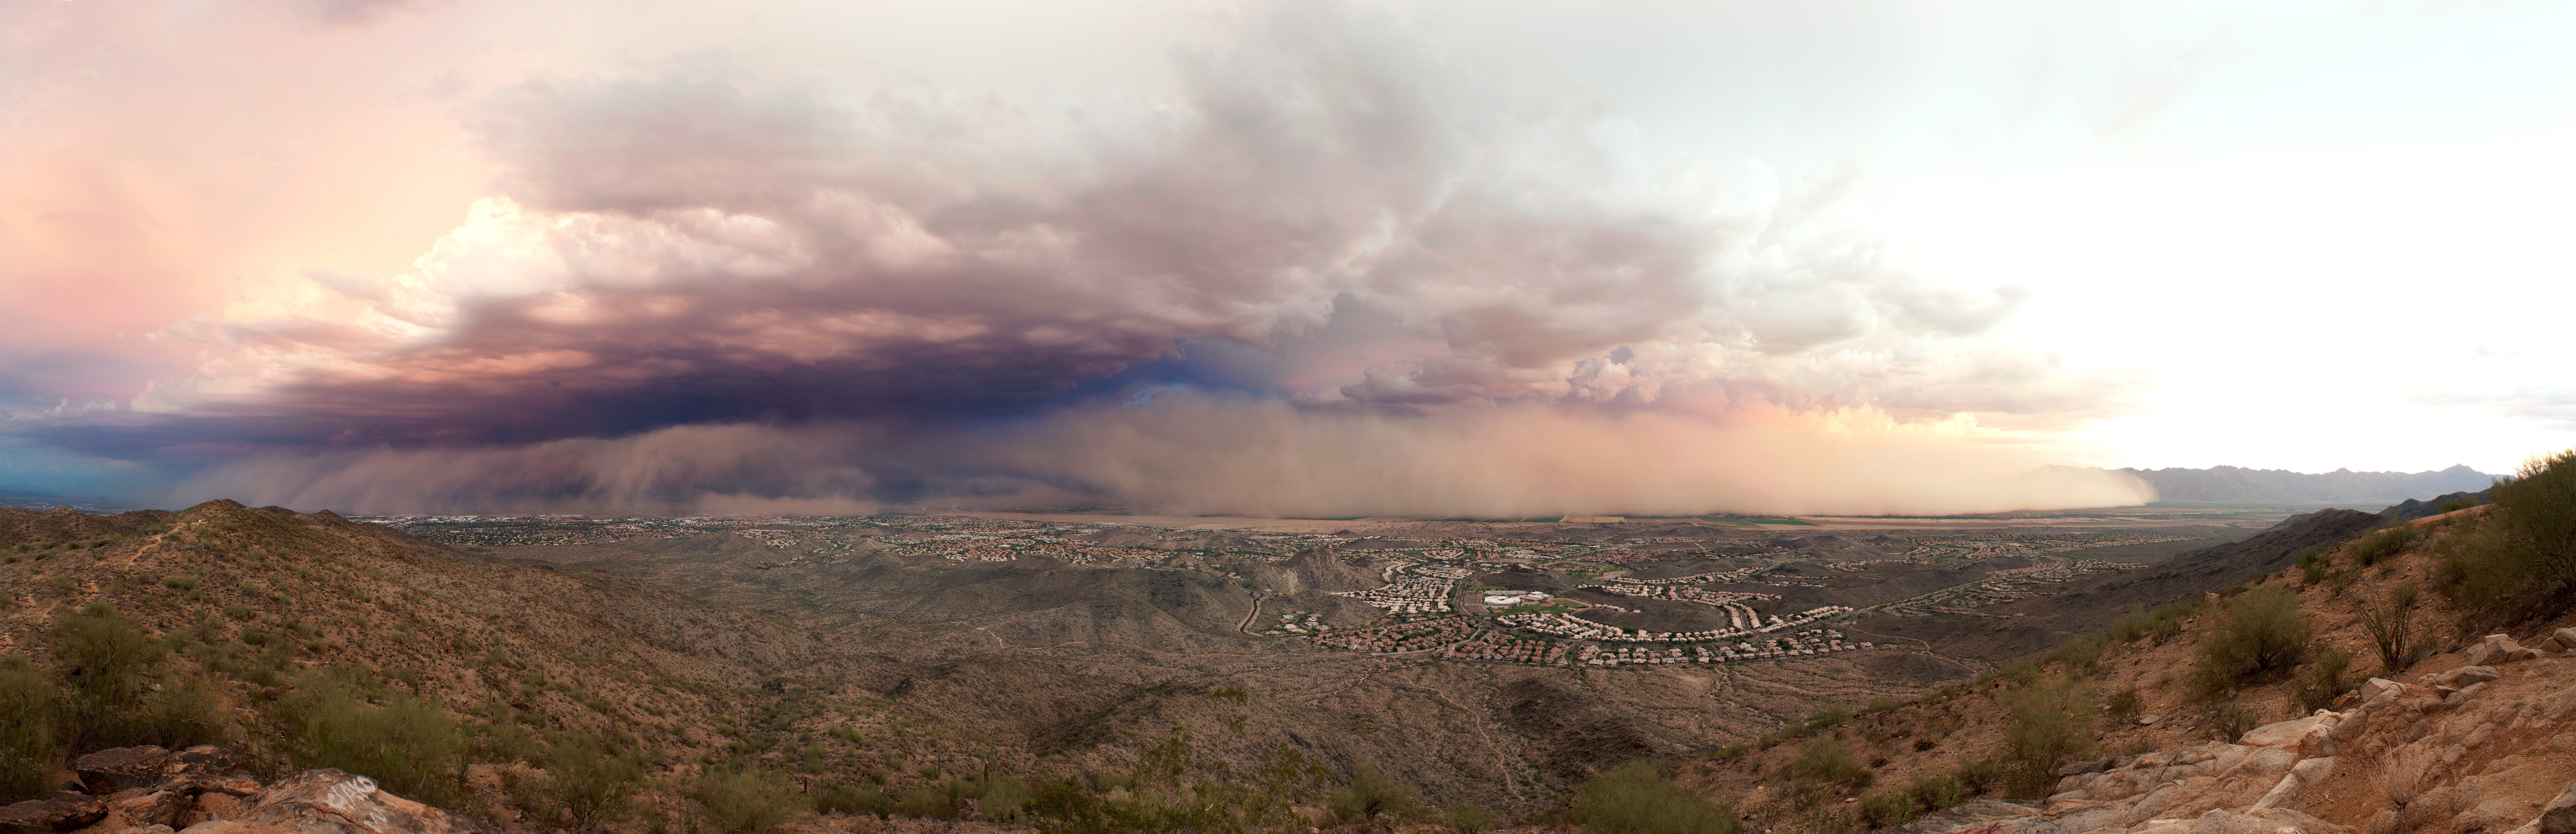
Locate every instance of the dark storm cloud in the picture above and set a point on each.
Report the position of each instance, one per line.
(689, 274)
(684, 248)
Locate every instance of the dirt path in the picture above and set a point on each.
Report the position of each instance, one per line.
(1255, 614)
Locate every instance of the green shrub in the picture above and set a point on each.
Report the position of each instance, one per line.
(2312, 566)
(2230, 725)
(2324, 680)
(2521, 564)
(185, 713)
(1887, 809)
(411, 748)
(1175, 789)
(2079, 656)
(28, 716)
(748, 801)
(927, 803)
(2391, 626)
(2387, 543)
(1002, 799)
(2123, 707)
(1977, 776)
(1938, 791)
(107, 657)
(1469, 819)
(1639, 798)
(2047, 731)
(2259, 637)
(1825, 761)
(591, 781)
(1368, 795)
(2017, 673)
(1828, 715)
(837, 798)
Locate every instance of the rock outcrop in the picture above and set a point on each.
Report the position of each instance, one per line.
(2488, 747)
(203, 790)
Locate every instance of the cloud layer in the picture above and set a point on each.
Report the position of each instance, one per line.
(1203, 455)
(1327, 273)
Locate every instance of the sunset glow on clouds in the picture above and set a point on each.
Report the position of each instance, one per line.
(1268, 258)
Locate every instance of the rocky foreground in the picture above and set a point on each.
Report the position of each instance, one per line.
(204, 790)
(2486, 743)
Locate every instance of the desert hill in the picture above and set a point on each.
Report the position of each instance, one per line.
(957, 668)
(2094, 602)
(2470, 735)
(2236, 485)
(882, 669)
(2436, 505)
(2041, 623)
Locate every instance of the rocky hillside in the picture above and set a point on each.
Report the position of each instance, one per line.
(510, 693)
(487, 684)
(209, 790)
(2411, 509)
(2471, 733)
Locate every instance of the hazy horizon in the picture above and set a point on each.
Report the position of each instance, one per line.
(1376, 258)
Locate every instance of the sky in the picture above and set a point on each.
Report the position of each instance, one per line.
(1306, 258)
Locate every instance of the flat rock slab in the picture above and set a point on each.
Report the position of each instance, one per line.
(2559, 816)
(1972, 814)
(2289, 734)
(335, 802)
(121, 768)
(149, 806)
(207, 758)
(61, 812)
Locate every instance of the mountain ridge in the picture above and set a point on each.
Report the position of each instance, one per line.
(2239, 485)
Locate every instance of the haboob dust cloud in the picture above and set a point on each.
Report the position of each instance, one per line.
(1323, 274)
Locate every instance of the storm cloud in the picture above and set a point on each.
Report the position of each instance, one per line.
(1328, 274)
(1207, 455)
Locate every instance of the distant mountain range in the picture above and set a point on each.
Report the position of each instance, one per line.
(31, 497)
(2235, 485)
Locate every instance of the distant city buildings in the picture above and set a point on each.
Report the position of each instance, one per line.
(1421, 584)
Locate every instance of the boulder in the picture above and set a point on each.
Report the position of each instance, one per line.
(2562, 640)
(2371, 688)
(2224, 821)
(330, 801)
(2439, 805)
(2558, 816)
(64, 811)
(2294, 734)
(2468, 675)
(227, 784)
(2498, 648)
(2494, 816)
(208, 759)
(212, 806)
(158, 805)
(2299, 821)
(1972, 815)
(2465, 694)
(2300, 776)
(122, 768)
